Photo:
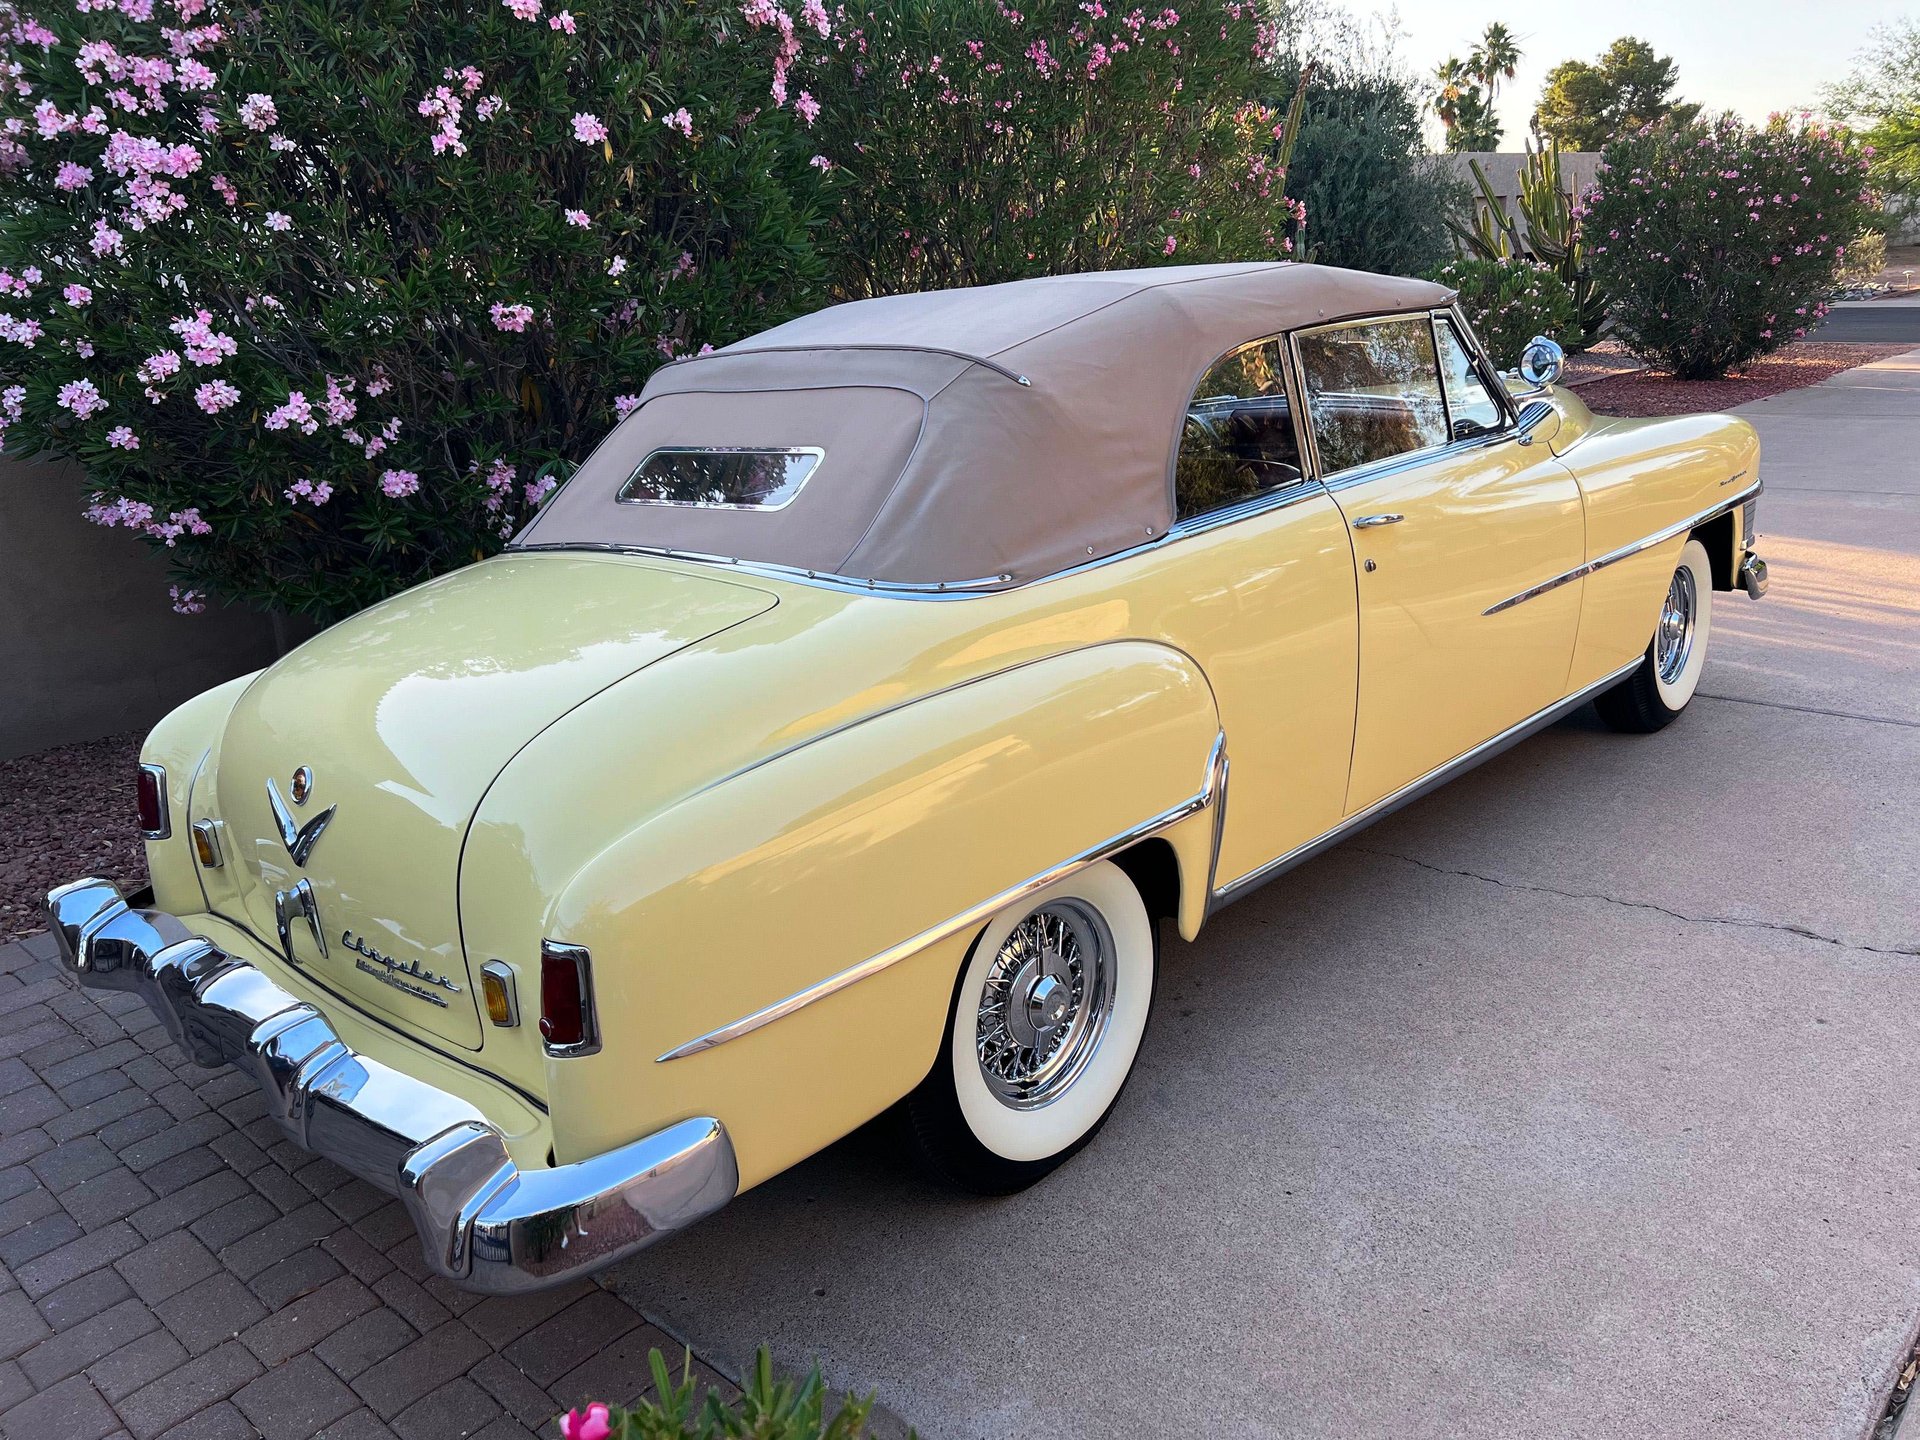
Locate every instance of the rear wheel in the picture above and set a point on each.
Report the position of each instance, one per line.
(1659, 689)
(1047, 1020)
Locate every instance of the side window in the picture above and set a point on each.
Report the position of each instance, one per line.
(1373, 391)
(1238, 440)
(1471, 408)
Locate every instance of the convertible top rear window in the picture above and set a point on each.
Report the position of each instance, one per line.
(720, 477)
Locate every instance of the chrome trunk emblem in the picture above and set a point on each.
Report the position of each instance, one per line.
(299, 839)
(298, 902)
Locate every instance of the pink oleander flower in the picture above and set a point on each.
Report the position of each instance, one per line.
(1171, 245)
(820, 162)
(523, 9)
(82, 397)
(258, 112)
(215, 396)
(679, 120)
(398, 484)
(562, 22)
(514, 318)
(617, 266)
(580, 218)
(106, 239)
(279, 220)
(187, 602)
(121, 437)
(807, 107)
(539, 488)
(297, 413)
(625, 405)
(593, 1423)
(77, 295)
(72, 177)
(204, 344)
(307, 490)
(588, 128)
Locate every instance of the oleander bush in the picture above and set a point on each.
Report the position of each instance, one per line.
(768, 1409)
(324, 294)
(1511, 300)
(976, 141)
(1717, 240)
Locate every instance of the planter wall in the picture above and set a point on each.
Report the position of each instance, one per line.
(89, 643)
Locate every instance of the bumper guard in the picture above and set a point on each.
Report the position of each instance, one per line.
(486, 1224)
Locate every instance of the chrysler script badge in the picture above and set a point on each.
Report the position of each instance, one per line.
(410, 976)
(299, 839)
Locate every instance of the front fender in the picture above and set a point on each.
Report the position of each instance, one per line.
(841, 850)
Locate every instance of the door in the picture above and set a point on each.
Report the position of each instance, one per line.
(1450, 512)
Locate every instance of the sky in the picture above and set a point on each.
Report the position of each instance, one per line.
(1751, 56)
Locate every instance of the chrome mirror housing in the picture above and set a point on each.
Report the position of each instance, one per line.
(1542, 361)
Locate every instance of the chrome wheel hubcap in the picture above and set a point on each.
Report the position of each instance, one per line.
(1046, 1003)
(1673, 641)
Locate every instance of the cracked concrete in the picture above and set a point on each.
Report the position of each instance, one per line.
(1592, 1118)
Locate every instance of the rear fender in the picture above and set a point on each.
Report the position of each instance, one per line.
(878, 849)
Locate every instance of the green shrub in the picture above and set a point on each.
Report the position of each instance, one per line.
(1375, 200)
(1510, 301)
(1717, 240)
(976, 141)
(322, 293)
(767, 1409)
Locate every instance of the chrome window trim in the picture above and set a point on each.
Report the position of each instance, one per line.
(159, 774)
(1253, 504)
(977, 914)
(1627, 552)
(819, 458)
(1413, 790)
(1353, 474)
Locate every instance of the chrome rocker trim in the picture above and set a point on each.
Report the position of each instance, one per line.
(973, 915)
(485, 1224)
(1413, 791)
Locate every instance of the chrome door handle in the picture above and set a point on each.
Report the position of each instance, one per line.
(1367, 522)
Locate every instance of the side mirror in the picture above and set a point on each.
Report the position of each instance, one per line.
(1542, 361)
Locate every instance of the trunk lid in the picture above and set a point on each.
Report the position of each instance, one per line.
(392, 725)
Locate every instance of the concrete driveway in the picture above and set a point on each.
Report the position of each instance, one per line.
(1895, 322)
(1578, 1099)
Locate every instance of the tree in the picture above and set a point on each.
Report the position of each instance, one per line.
(1583, 106)
(1465, 98)
(1375, 199)
(1882, 98)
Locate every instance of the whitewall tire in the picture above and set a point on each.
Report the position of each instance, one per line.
(1668, 674)
(1047, 1020)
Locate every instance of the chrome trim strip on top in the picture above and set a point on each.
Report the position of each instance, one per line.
(977, 914)
(1414, 790)
(1627, 552)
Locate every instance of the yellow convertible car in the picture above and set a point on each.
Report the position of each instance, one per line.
(838, 738)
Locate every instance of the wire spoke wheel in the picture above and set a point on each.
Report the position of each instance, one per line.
(1046, 1004)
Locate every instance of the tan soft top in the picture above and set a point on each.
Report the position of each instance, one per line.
(986, 436)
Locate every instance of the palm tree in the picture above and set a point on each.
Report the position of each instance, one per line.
(1454, 79)
(1495, 58)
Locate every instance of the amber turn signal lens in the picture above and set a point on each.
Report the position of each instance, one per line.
(499, 1004)
(205, 846)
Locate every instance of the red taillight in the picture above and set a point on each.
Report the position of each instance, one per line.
(566, 1000)
(153, 802)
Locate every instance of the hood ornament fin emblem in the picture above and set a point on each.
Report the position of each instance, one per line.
(297, 903)
(299, 839)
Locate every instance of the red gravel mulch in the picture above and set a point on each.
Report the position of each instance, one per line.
(1655, 392)
(66, 813)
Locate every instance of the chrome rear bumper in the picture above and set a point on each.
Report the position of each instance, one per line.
(486, 1224)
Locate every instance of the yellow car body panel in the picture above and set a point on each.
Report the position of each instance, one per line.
(732, 786)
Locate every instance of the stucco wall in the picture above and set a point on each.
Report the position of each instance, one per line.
(89, 643)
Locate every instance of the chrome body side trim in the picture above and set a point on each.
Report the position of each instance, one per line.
(1414, 790)
(485, 1224)
(1626, 552)
(976, 914)
(159, 774)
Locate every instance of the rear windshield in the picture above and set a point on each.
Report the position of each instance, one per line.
(720, 478)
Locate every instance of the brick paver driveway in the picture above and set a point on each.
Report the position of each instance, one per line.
(171, 1265)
